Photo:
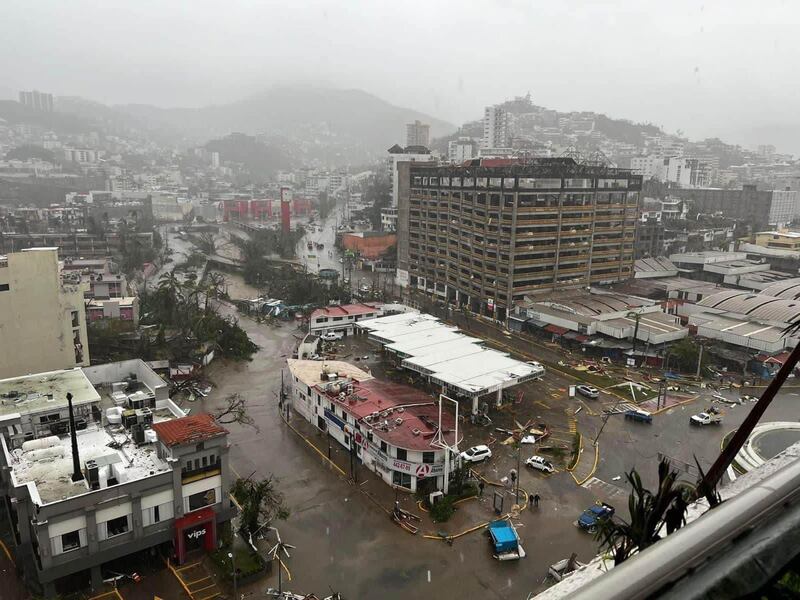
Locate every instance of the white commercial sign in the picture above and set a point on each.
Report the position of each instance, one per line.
(420, 470)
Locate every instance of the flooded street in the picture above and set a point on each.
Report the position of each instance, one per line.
(346, 542)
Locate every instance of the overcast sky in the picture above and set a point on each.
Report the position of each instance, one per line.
(724, 68)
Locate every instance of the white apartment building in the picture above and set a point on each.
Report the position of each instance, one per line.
(649, 167)
(400, 155)
(784, 208)
(464, 148)
(496, 128)
(42, 319)
(80, 155)
(418, 134)
(389, 219)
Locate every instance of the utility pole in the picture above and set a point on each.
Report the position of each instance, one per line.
(699, 361)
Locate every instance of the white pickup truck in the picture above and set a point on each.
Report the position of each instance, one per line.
(705, 419)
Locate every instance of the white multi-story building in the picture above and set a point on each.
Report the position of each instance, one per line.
(649, 167)
(409, 154)
(42, 320)
(390, 428)
(461, 149)
(80, 155)
(784, 207)
(139, 475)
(418, 134)
(389, 219)
(496, 129)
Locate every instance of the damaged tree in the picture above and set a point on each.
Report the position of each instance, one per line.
(261, 504)
(234, 411)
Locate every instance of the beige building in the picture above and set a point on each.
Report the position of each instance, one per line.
(42, 320)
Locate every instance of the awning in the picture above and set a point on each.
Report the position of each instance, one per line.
(574, 335)
(556, 329)
(536, 323)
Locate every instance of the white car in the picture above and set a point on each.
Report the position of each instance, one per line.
(332, 336)
(476, 454)
(541, 463)
(588, 391)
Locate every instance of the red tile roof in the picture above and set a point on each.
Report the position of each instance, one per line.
(345, 310)
(188, 430)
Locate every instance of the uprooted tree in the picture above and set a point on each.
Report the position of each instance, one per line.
(261, 504)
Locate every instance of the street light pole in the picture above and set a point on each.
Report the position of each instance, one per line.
(519, 473)
(233, 562)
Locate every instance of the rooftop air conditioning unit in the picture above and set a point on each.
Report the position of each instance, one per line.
(398, 421)
(415, 431)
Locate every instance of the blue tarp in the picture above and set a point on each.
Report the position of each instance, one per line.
(504, 536)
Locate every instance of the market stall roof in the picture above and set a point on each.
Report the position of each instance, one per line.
(457, 361)
(558, 330)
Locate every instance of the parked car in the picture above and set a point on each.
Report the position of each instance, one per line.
(588, 391)
(541, 463)
(476, 454)
(594, 515)
(642, 416)
(705, 419)
(332, 336)
(538, 369)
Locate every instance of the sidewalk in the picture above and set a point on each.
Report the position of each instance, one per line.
(587, 461)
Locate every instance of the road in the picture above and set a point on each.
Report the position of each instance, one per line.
(346, 542)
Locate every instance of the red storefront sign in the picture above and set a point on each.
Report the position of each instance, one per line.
(200, 525)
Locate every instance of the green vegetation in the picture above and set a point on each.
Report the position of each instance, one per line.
(443, 509)
(247, 562)
(185, 307)
(261, 504)
(186, 326)
(378, 195)
(650, 512)
(684, 354)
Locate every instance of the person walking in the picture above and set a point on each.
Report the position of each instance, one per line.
(536, 500)
(530, 501)
(481, 485)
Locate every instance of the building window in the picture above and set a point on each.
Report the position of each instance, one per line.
(205, 461)
(71, 541)
(383, 446)
(202, 499)
(401, 479)
(117, 526)
(402, 454)
(427, 457)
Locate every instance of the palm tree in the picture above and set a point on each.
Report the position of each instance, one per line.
(649, 511)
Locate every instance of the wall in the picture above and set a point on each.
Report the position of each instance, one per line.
(369, 246)
(118, 371)
(36, 316)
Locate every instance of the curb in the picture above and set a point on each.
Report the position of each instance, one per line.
(427, 536)
(594, 466)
